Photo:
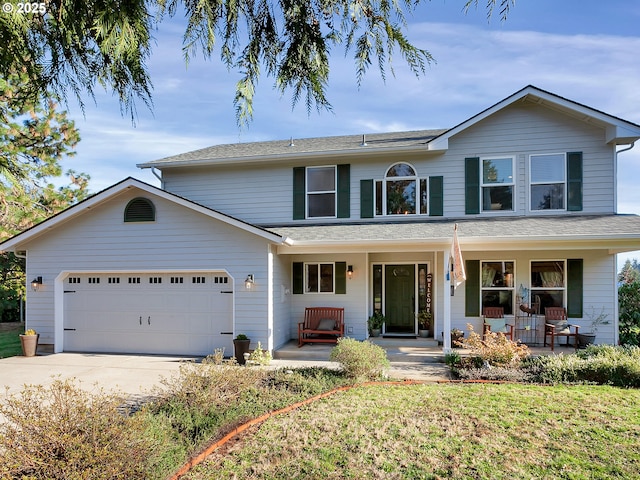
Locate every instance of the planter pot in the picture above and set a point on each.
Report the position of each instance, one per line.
(240, 347)
(424, 333)
(375, 332)
(29, 344)
(585, 339)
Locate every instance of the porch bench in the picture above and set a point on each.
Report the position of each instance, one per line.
(321, 325)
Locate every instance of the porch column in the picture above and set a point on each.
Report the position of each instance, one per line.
(446, 304)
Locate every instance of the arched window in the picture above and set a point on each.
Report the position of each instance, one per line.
(140, 210)
(401, 192)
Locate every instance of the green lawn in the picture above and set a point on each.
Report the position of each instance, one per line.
(470, 431)
(10, 339)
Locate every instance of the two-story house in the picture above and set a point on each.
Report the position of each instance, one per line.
(241, 238)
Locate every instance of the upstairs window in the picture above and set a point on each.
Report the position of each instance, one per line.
(140, 210)
(548, 181)
(401, 192)
(497, 184)
(321, 192)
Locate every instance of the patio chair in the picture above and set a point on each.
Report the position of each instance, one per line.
(494, 321)
(556, 325)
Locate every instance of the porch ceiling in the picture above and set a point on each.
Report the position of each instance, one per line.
(614, 233)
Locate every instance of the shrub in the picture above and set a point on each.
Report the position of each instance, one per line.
(601, 364)
(260, 356)
(360, 361)
(496, 349)
(64, 432)
(493, 373)
(629, 313)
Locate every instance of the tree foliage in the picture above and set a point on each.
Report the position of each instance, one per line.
(79, 44)
(630, 272)
(629, 313)
(34, 137)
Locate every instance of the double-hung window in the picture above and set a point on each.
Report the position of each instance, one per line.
(548, 181)
(497, 184)
(497, 285)
(321, 192)
(549, 282)
(319, 278)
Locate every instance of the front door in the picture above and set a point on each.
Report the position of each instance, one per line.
(400, 290)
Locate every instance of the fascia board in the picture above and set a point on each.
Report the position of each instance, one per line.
(111, 192)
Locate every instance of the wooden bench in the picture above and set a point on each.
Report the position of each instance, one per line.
(321, 325)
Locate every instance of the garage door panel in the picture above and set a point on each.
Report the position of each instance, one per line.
(178, 314)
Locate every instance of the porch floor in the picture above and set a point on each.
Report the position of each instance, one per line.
(399, 350)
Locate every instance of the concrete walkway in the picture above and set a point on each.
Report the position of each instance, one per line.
(135, 375)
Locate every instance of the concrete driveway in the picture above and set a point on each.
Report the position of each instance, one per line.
(132, 375)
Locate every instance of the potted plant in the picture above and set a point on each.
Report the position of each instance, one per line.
(588, 336)
(424, 323)
(375, 324)
(456, 337)
(29, 343)
(240, 347)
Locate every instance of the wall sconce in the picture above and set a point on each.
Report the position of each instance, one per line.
(36, 283)
(249, 282)
(350, 271)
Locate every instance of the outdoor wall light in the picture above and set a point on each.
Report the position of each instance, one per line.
(249, 282)
(350, 271)
(36, 283)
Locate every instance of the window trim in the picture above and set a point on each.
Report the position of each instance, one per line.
(564, 183)
(564, 288)
(382, 183)
(305, 288)
(511, 288)
(307, 193)
(512, 184)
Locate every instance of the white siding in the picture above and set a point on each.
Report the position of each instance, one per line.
(179, 239)
(262, 194)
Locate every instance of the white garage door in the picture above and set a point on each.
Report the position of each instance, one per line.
(188, 313)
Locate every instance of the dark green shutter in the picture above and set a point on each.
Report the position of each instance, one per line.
(436, 196)
(575, 270)
(574, 181)
(299, 207)
(341, 277)
(472, 288)
(344, 191)
(298, 278)
(472, 185)
(366, 198)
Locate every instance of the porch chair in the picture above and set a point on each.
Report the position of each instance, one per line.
(494, 321)
(556, 325)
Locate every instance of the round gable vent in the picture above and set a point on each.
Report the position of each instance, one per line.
(140, 210)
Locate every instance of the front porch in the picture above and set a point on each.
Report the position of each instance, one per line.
(399, 350)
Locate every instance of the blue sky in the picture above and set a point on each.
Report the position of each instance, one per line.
(586, 51)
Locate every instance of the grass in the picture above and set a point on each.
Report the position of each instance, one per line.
(10, 339)
(477, 431)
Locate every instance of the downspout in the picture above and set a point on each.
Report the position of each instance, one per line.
(616, 307)
(155, 174)
(23, 318)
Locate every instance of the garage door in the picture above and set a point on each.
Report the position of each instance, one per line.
(188, 313)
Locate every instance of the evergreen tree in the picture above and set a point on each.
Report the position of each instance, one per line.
(34, 138)
(74, 45)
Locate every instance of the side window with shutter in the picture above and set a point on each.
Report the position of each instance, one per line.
(472, 185)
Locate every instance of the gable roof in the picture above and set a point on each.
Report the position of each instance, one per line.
(111, 192)
(618, 132)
